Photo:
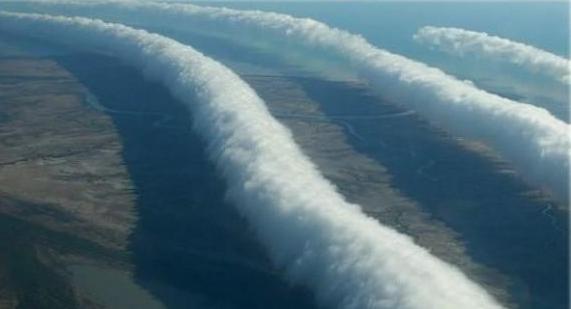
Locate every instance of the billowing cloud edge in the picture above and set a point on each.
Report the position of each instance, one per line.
(533, 140)
(461, 42)
(349, 259)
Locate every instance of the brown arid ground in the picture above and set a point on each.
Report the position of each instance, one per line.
(102, 196)
(64, 184)
(60, 155)
(64, 192)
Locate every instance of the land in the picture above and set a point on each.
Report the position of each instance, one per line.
(326, 139)
(62, 172)
(60, 156)
(108, 200)
(65, 194)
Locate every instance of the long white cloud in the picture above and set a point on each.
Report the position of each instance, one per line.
(463, 42)
(537, 143)
(349, 259)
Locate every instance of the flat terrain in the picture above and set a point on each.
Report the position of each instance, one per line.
(107, 199)
(65, 194)
(61, 155)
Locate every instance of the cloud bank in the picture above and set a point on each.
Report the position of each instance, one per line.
(533, 140)
(319, 239)
(462, 43)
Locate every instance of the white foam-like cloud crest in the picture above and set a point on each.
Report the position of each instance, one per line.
(534, 140)
(349, 259)
(461, 42)
(537, 143)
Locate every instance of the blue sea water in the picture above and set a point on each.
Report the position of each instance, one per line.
(390, 25)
